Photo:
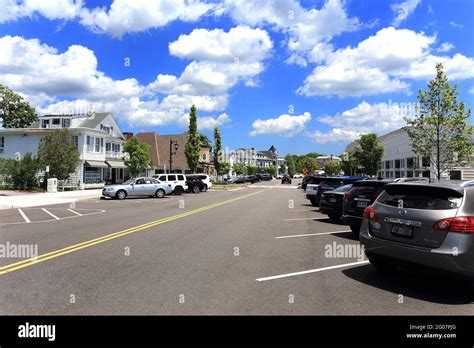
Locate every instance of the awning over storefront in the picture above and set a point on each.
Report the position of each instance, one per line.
(96, 164)
(116, 164)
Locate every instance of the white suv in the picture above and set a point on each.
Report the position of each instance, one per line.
(204, 178)
(177, 182)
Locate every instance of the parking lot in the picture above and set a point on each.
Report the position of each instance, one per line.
(262, 249)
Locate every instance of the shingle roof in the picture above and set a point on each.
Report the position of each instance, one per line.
(93, 121)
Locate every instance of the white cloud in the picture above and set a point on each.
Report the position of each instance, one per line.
(364, 118)
(52, 9)
(379, 64)
(286, 125)
(456, 25)
(403, 10)
(69, 82)
(305, 28)
(126, 16)
(445, 47)
(471, 90)
(206, 122)
(226, 59)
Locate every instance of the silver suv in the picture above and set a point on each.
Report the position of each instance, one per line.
(425, 224)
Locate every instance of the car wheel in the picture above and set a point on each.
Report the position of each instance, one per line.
(178, 190)
(313, 202)
(204, 189)
(196, 189)
(382, 266)
(121, 194)
(160, 193)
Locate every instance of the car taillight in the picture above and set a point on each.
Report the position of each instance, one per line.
(369, 213)
(461, 224)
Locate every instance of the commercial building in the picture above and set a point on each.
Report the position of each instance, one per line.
(160, 147)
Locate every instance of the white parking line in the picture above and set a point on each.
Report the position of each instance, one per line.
(312, 210)
(24, 216)
(311, 234)
(75, 212)
(51, 214)
(311, 218)
(312, 271)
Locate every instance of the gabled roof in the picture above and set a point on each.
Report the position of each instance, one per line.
(94, 120)
(160, 148)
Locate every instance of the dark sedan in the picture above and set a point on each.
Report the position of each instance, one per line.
(360, 196)
(286, 179)
(332, 201)
(330, 183)
(195, 185)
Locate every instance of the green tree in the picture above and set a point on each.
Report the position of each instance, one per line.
(58, 151)
(217, 151)
(239, 168)
(271, 169)
(349, 163)
(369, 153)
(192, 148)
(139, 158)
(291, 162)
(332, 168)
(282, 169)
(14, 111)
(251, 169)
(440, 131)
(307, 164)
(225, 168)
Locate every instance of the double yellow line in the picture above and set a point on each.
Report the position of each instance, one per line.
(53, 254)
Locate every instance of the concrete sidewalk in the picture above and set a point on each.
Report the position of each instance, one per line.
(15, 199)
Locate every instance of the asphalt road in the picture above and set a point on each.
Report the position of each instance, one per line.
(222, 252)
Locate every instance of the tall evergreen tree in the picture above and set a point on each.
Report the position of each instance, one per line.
(440, 131)
(192, 148)
(217, 153)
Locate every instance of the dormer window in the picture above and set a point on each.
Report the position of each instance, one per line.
(45, 123)
(56, 122)
(66, 122)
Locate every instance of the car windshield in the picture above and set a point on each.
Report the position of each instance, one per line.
(128, 182)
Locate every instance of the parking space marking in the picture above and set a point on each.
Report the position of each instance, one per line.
(286, 275)
(312, 210)
(311, 234)
(75, 212)
(311, 218)
(24, 216)
(88, 243)
(51, 214)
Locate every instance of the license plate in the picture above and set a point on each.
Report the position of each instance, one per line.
(332, 200)
(402, 230)
(361, 204)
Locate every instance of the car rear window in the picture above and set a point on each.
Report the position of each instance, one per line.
(180, 177)
(332, 182)
(344, 188)
(316, 181)
(420, 197)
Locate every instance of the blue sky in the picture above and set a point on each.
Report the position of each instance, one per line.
(306, 76)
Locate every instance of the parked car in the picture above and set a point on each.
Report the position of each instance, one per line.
(137, 187)
(332, 201)
(312, 187)
(267, 177)
(195, 185)
(362, 194)
(330, 183)
(429, 225)
(307, 179)
(286, 179)
(204, 178)
(468, 183)
(177, 182)
(251, 179)
(298, 176)
(239, 180)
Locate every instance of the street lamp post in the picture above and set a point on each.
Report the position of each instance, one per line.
(175, 142)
